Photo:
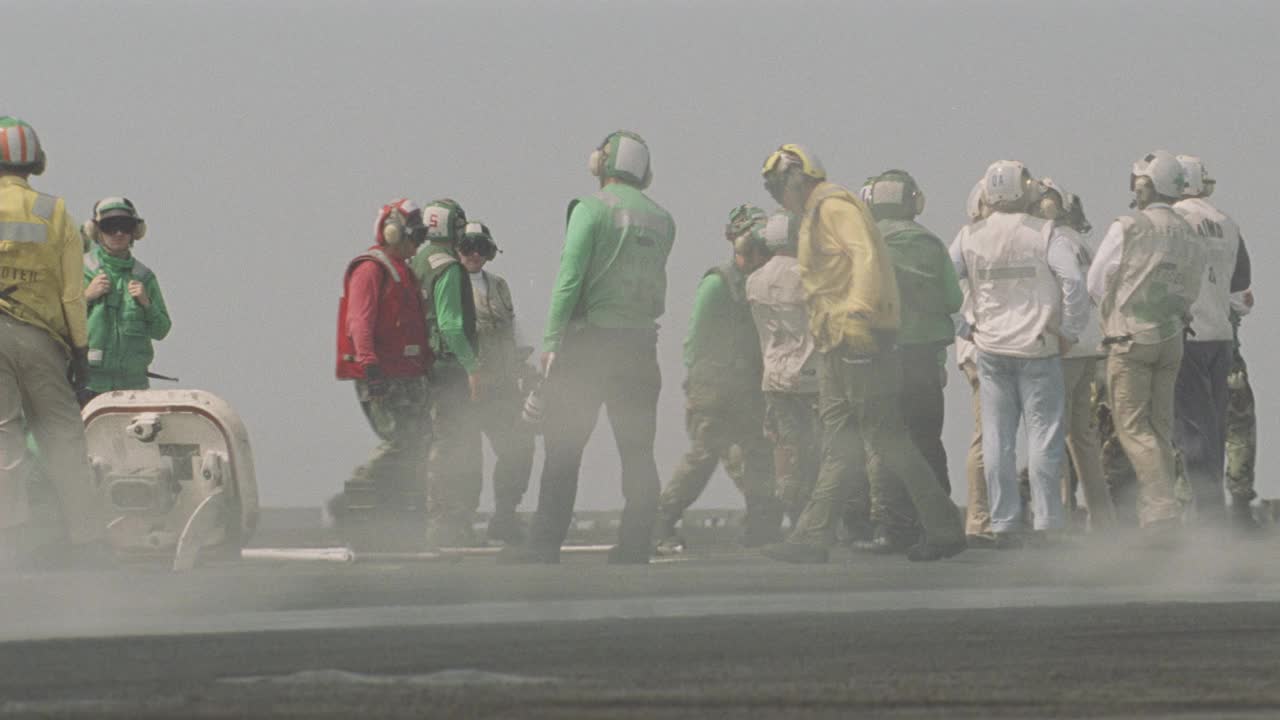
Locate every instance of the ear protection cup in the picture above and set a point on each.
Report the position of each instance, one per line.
(89, 233)
(393, 229)
(90, 227)
(601, 157)
(41, 163)
(919, 201)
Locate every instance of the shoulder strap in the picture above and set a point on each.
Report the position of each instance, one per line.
(381, 258)
(91, 261)
(440, 260)
(140, 272)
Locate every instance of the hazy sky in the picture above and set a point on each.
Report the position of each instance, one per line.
(260, 138)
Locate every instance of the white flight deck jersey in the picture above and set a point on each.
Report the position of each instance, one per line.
(1017, 301)
(1220, 236)
(776, 295)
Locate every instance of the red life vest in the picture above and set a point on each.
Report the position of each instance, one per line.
(400, 330)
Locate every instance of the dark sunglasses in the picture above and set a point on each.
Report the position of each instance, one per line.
(110, 226)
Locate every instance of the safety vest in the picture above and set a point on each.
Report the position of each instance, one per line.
(729, 357)
(400, 335)
(495, 328)
(1220, 236)
(33, 228)
(432, 262)
(917, 256)
(626, 281)
(1016, 301)
(1089, 344)
(1150, 293)
(776, 296)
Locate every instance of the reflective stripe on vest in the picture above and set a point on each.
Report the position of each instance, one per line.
(24, 232)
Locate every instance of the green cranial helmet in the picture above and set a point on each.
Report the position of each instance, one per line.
(745, 219)
(893, 195)
(446, 221)
(20, 148)
(623, 155)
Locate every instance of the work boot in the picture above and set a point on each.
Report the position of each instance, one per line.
(505, 527)
(670, 545)
(621, 555)
(526, 555)
(892, 542)
(1009, 540)
(800, 553)
(980, 541)
(1242, 517)
(928, 552)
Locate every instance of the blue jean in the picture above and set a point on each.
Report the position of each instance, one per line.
(1030, 389)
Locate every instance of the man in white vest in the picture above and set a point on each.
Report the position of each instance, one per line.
(1029, 307)
(1200, 396)
(1066, 212)
(1144, 279)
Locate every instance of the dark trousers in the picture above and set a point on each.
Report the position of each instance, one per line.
(923, 407)
(619, 370)
(922, 412)
(1200, 418)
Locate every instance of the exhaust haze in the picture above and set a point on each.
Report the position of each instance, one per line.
(259, 140)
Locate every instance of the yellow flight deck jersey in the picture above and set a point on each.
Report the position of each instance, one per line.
(849, 282)
(41, 275)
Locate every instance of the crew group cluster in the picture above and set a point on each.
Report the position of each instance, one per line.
(816, 360)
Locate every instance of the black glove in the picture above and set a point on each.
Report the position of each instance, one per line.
(78, 373)
(374, 381)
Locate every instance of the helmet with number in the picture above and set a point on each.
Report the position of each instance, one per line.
(1007, 186)
(745, 219)
(781, 232)
(20, 147)
(893, 195)
(1199, 184)
(1163, 170)
(476, 238)
(973, 206)
(446, 221)
(623, 155)
(399, 221)
(790, 162)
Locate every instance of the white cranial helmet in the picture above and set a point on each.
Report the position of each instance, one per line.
(973, 206)
(1163, 170)
(1006, 183)
(1199, 184)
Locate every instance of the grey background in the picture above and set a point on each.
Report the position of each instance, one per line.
(260, 138)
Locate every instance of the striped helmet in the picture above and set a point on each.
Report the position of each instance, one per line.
(19, 146)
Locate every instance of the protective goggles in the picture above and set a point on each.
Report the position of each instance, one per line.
(113, 225)
(478, 245)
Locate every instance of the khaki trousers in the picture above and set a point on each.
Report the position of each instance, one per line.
(978, 510)
(1084, 445)
(34, 388)
(1141, 380)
